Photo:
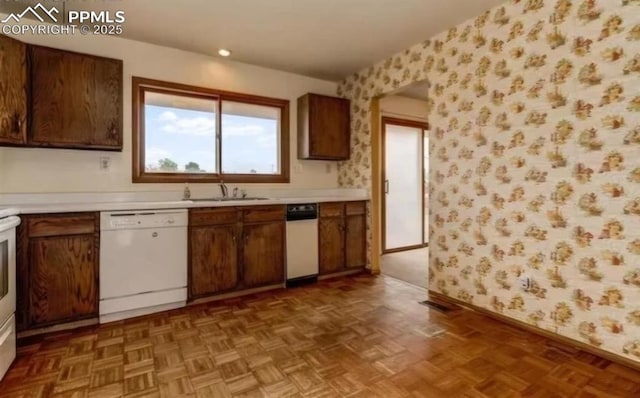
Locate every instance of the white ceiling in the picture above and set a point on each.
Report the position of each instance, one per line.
(328, 39)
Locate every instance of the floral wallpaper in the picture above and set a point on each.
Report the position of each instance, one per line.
(535, 162)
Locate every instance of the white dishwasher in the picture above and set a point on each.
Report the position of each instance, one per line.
(143, 262)
(302, 244)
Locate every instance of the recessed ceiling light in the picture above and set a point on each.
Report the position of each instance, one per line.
(224, 52)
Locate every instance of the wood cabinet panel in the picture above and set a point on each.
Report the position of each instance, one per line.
(332, 244)
(59, 225)
(335, 209)
(213, 260)
(76, 100)
(63, 279)
(263, 254)
(214, 216)
(356, 238)
(323, 127)
(355, 208)
(13, 95)
(263, 214)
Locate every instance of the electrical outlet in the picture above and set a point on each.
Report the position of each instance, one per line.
(525, 282)
(298, 168)
(327, 168)
(105, 163)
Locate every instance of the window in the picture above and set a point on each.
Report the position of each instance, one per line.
(191, 134)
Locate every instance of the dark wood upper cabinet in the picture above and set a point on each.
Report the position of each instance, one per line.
(76, 100)
(57, 269)
(324, 127)
(13, 95)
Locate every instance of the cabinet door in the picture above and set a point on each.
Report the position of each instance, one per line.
(356, 250)
(63, 279)
(13, 95)
(332, 239)
(76, 100)
(329, 129)
(263, 254)
(213, 253)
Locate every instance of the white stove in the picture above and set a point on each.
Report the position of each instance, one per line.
(8, 223)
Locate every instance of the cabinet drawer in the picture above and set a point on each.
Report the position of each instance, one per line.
(55, 225)
(356, 208)
(332, 209)
(263, 213)
(226, 215)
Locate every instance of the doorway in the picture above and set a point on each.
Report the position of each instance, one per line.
(403, 188)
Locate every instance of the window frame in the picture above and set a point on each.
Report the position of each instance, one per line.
(142, 85)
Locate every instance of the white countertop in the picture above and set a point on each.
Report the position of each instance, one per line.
(67, 203)
(8, 212)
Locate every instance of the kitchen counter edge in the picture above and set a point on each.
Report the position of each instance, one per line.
(180, 204)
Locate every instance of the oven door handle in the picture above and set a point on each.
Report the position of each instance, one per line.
(5, 336)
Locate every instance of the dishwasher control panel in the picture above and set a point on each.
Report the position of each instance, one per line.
(305, 211)
(143, 219)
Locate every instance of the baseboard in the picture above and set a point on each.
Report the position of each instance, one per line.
(57, 328)
(342, 273)
(239, 293)
(405, 249)
(541, 332)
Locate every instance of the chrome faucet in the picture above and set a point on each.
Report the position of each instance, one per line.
(223, 189)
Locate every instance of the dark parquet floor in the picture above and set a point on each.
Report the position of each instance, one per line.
(359, 336)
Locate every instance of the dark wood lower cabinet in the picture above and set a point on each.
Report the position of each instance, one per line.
(57, 269)
(213, 259)
(62, 279)
(232, 249)
(342, 231)
(356, 235)
(263, 254)
(332, 243)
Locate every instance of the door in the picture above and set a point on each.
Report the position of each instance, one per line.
(60, 116)
(13, 95)
(213, 259)
(332, 244)
(403, 175)
(63, 279)
(263, 254)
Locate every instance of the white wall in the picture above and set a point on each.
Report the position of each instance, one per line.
(404, 107)
(57, 170)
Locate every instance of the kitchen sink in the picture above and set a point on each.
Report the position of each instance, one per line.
(226, 199)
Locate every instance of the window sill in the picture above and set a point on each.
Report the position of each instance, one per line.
(167, 178)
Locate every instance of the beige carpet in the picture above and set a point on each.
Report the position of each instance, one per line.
(410, 266)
